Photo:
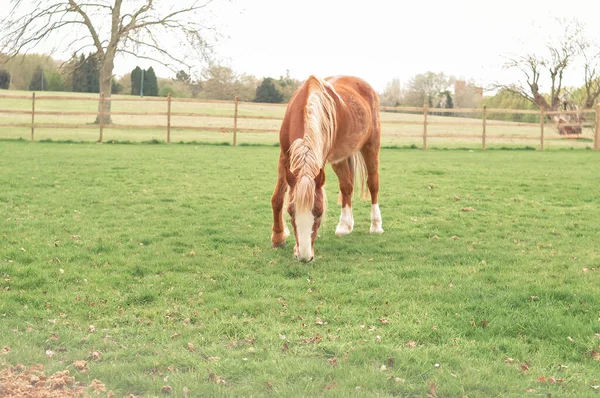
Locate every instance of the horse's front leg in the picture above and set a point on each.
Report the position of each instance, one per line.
(346, 223)
(280, 230)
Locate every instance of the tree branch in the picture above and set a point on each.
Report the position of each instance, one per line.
(88, 23)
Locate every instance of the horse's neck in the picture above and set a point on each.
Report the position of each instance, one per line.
(321, 121)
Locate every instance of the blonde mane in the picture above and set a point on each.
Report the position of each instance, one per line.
(309, 154)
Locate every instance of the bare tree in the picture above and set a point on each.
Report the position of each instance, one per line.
(548, 69)
(425, 88)
(392, 95)
(591, 65)
(168, 34)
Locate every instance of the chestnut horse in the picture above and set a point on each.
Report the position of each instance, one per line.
(333, 120)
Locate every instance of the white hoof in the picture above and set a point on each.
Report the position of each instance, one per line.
(376, 227)
(346, 223)
(343, 229)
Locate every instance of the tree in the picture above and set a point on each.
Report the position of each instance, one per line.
(78, 78)
(546, 69)
(92, 74)
(446, 99)
(136, 81)
(85, 75)
(184, 77)
(425, 88)
(23, 67)
(4, 79)
(507, 99)
(37, 81)
(392, 95)
(125, 82)
(117, 87)
(267, 92)
(139, 28)
(54, 81)
(286, 85)
(220, 82)
(150, 83)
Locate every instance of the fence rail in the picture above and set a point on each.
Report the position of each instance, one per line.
(481, 120)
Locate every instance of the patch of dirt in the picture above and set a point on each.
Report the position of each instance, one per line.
(32, 382)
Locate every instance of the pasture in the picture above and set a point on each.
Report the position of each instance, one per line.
(149, 269)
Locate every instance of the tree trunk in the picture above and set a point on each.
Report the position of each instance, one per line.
(106, 72)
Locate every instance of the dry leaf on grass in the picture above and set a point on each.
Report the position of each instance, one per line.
(20, 381)
(80, 365)
(311, 340)
(467, 209)
(97, 386)
(214, 378)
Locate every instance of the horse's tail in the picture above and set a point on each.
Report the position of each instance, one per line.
(359, 171)
(358, 168)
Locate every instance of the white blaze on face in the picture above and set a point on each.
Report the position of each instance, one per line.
(304, 227)
(376, 219)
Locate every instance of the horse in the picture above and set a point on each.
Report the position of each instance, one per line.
(333, 120)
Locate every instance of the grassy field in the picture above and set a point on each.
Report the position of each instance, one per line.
(149, 268)
(397, 128)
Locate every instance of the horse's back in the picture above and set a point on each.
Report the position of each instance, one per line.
(359, 123)
(352, 83)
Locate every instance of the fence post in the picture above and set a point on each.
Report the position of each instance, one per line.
(597, 132)
(425, 112)
(542, 117)
(483, 134)
(32, 115)
(101, 117)
(235, 117)
(169, 118)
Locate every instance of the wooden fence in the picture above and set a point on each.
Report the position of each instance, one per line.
(482, 117)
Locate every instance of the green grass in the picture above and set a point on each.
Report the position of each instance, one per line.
(159, 247)
(397, 128)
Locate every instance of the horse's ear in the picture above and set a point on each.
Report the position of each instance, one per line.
(289, 177)
(320, 179)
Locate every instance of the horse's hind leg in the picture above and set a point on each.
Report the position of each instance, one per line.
(370, 153)
(280, 231)
(342, 170)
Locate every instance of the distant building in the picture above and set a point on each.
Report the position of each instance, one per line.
(467, 95)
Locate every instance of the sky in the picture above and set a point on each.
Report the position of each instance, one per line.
(381, 40)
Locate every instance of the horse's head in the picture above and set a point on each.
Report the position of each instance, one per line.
(306, 208)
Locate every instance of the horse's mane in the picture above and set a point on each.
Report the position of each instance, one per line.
(309, 154)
